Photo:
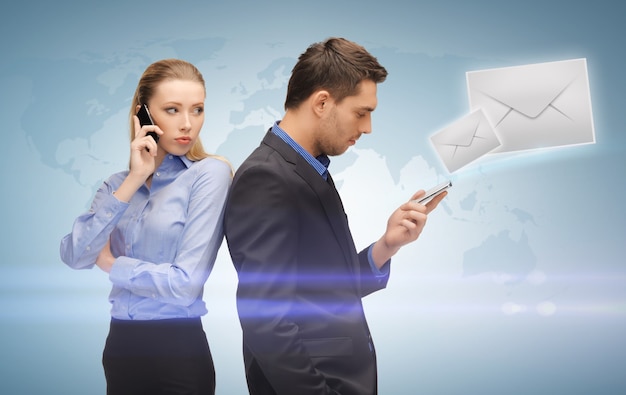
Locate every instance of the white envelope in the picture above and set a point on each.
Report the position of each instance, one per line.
(535, 106)
(464, 141)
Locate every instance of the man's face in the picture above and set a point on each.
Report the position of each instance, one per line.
(343, 123)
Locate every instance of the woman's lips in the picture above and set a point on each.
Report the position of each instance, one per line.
(183, 140)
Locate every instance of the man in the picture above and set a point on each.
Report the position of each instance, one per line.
(301, 279)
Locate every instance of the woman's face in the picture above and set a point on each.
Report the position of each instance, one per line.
(177, 108)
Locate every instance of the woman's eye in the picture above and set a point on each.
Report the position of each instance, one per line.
(171, 110)
(198, 110)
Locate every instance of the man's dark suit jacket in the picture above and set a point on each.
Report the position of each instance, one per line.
(300, 279)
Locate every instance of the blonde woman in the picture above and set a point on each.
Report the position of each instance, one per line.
(156, 229)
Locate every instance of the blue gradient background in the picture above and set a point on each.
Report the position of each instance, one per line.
(443, 326)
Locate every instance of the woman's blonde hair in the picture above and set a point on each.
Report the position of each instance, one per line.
(164, 70)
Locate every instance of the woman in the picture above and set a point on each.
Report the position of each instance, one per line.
(155, 229)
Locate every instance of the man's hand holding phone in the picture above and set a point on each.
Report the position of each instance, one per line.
(407, 222)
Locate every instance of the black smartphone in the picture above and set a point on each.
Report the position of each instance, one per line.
(145, 119)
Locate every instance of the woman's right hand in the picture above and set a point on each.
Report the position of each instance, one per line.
(143, 150)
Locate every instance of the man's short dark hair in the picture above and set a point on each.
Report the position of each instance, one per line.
(336, 65)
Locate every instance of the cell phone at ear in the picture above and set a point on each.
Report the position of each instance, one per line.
(146, 119)
(431, 193)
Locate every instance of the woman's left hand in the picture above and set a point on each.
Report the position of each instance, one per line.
(105, 259)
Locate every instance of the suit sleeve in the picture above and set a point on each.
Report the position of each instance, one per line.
(261, 225)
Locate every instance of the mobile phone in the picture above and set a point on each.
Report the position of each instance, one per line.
(146, 119)
(431, 193)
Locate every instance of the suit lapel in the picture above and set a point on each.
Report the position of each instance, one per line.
(327, 194)
(339, 219)
(333, 207)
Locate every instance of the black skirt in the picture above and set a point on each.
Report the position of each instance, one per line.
(158, 357)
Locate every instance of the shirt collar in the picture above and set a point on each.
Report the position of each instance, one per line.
(172, 162)
(185, 160)
(320, 163)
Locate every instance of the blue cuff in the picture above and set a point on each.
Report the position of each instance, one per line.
(383, 271)
(121, 271)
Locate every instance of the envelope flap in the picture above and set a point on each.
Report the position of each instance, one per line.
(461, 133)
(529, 89)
